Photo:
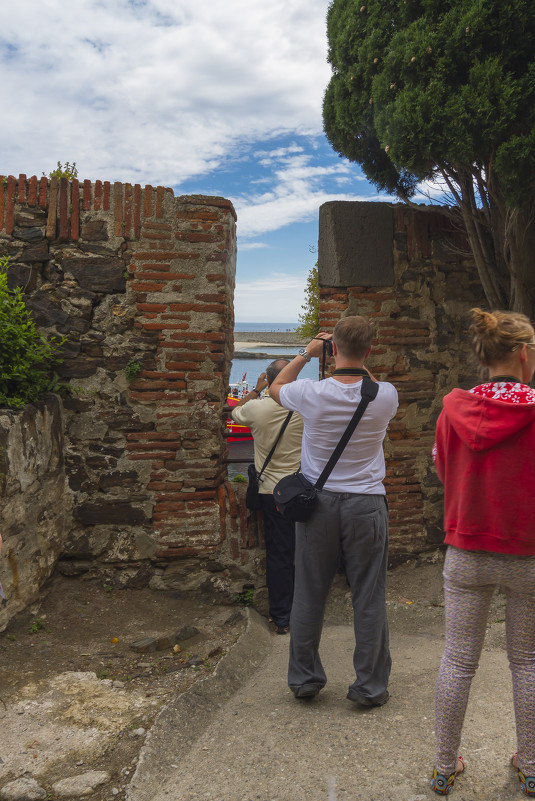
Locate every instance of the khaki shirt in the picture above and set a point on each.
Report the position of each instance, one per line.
(265, 418)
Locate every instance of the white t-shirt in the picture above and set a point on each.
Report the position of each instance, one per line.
(326, 408)
(265, 418)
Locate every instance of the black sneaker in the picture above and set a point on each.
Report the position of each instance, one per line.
(361, 700)
(306, 690)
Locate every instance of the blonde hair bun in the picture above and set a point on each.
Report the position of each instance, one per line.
(495, 334)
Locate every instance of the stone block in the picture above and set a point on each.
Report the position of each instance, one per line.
(97, 274)
(107, 512)
(355, 244)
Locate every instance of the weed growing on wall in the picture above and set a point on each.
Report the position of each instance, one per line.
(133, 369)
(26, 356)
(69, 171)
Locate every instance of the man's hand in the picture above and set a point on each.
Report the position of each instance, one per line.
(261, 383)
(315, 346)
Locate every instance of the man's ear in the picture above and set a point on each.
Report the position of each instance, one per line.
(368, 352)
(335, 349)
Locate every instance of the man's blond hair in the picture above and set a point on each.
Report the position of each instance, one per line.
(353, 336)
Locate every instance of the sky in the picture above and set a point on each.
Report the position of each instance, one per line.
(216, 97)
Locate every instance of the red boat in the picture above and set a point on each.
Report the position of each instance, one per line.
(238, 433)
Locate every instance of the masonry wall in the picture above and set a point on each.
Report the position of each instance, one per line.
(132, 276)
(34, 499)
(409, 271)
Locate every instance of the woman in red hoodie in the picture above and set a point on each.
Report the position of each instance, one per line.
(485, 456)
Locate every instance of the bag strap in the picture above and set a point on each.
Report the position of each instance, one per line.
(272, 451)
(369, 392)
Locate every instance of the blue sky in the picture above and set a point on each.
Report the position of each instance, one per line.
(217, 98)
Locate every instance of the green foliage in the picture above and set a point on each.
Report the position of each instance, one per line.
(26, 356)
(443, 91)
(422, 84)
(37, 625)
(309, 320)
(239, 479)
(246, 597)
(68, 171)
(133, 369)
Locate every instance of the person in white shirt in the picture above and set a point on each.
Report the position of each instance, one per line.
(350, 519)
(265, 419)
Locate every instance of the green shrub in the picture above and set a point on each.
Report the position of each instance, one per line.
(26, 356)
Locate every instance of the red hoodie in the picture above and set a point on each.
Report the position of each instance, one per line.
(485, 457)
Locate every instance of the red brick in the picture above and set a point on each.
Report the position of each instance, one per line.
(63, 210)
(43, 192)
(156, 226)
(98, 195)
(170, 506)
(144, 275)
(147, 204)
(197, 237)
(32, 191)
(118, 208)
(106, 196)
(137, 211)
(10, 204)
(52, 209)
(128, 200)
(22, 189)
(151, 307)
(86, 203)
(160, 194)
(75, 214)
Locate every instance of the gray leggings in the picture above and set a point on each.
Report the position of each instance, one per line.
(470, 578)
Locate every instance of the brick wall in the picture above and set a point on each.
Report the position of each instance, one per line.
(408, 270)
(132, 274)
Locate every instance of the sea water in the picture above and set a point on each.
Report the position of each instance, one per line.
(249, 370)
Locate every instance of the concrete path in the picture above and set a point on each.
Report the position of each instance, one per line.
(241, 735)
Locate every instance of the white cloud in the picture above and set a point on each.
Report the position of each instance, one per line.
(295, 195)
(156, 91)
(275, 297)
(253, 245)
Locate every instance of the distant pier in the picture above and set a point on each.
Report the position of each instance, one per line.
(244, 340)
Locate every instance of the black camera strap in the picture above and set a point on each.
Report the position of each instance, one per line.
(369, 391)
(272, 451)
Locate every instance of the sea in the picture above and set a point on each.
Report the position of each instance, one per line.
(248, 370)
(265, 326)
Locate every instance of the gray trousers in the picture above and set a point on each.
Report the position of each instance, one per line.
(354, 528)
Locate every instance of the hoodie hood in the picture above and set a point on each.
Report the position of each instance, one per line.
(483, 423)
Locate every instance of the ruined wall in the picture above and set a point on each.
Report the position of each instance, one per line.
(409, 271)
(34, 499)
(132, 275)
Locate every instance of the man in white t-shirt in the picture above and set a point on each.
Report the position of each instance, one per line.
(265, 419)
(350, 520)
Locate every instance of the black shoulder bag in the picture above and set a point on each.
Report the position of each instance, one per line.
(295, 497)
(252, 496)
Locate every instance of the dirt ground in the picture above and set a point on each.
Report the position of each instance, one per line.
(75, 697)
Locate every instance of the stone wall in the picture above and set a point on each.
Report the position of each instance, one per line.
(132, 276)
(409, 271)
(34, 498)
